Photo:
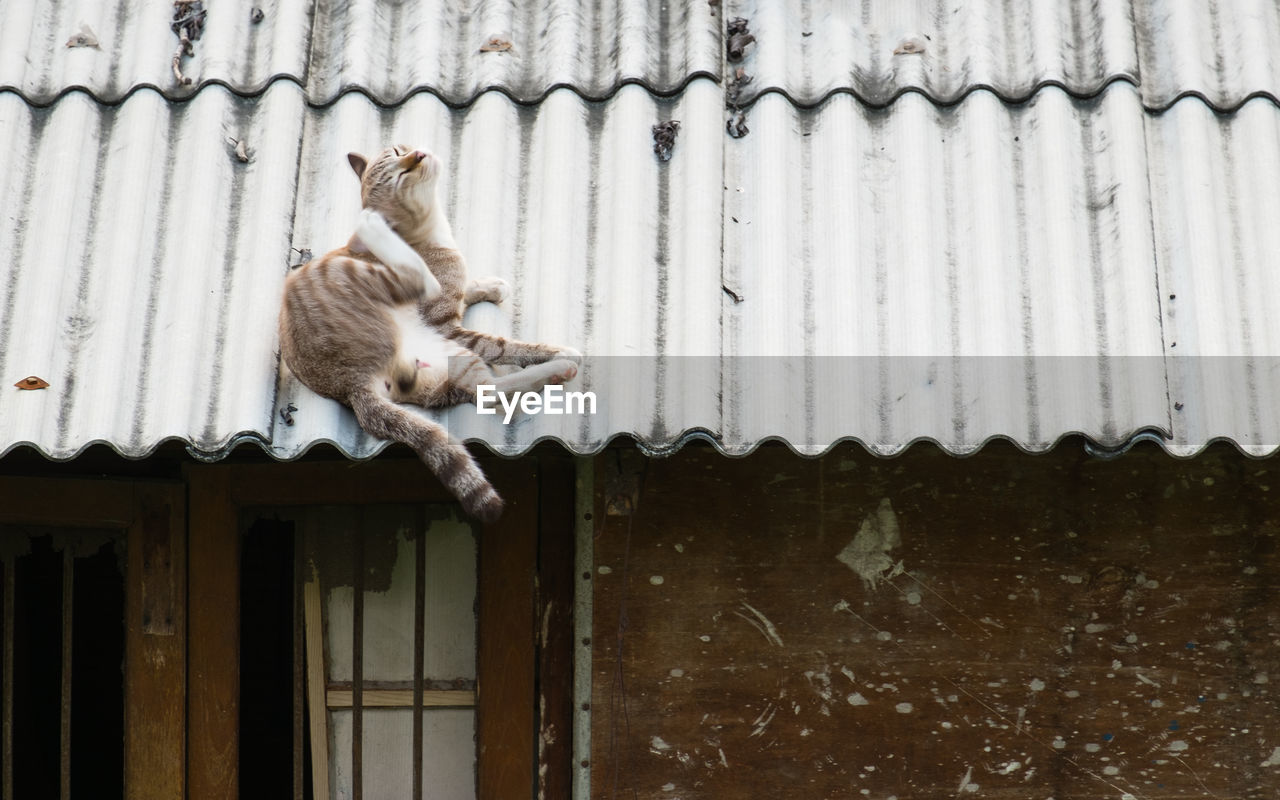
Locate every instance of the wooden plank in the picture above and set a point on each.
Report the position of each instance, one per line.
(6, 734)
(336, 483)
(401, 698)
(155, 646)
(556, 579)
(357, 657)
(299, 668)
(316, 711)
(419, 647)
(505, 722)
(994, 626)
(45, 501)
(213, 640)
(68, 620)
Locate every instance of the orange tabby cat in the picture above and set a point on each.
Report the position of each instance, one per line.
(379, 322)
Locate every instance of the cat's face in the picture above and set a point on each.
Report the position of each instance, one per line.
(400, 183)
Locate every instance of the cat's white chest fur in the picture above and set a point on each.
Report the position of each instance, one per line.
(421, 343)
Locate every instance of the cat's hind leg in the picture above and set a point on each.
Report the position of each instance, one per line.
(493, 290)
(500, 350)
(466, 372)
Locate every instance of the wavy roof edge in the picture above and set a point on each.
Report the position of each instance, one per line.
(259, 89)
(746, 105)
(1094, 448)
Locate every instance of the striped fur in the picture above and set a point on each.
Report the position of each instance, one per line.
(378, 322)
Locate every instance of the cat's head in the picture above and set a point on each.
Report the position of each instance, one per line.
(400, 183)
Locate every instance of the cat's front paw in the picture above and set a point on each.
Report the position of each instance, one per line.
(563, 371)
(371, 225)
(569, 354)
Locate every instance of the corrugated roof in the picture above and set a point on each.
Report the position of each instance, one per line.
(387, 51)
(1224, 51)
(1021, 232)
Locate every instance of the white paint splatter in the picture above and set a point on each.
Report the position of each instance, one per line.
(1036, 685)
(677, 673)
(1178, 745)
(884, 636)
(762, 721)
(657, 580)
(904, 708)
(668, 787)
(704, 638)
(1009, 768)
(913, 598)
(1092, 747)
(856, 699)
(868, 553)
(679, 547)
(1110, 769)
(964, 782)
(1059, 743)
(848, 673)
(1072, 578)
(657, 745)
(765, 627)
(1146, 680)
(1273, 760)
(604, 569)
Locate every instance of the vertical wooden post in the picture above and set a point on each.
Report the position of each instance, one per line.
(555, 636)
(505, 727)
(214, 636)
(68, 621)
(419, 646)
(357, 659)
(6, 735)
(317, 678)
(155, 646)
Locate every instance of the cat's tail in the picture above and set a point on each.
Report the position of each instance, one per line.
(449, 460)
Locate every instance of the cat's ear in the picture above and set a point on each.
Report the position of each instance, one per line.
(359, 163)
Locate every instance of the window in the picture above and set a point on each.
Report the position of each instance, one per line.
(370, 608)
(63, 652)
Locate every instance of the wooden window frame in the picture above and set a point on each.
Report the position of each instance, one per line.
(151, 514)
(525, 601)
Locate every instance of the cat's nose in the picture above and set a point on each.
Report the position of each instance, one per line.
(413, 159)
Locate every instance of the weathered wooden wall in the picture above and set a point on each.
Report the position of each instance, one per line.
(1004, 625)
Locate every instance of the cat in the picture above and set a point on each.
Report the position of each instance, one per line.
(378, 322)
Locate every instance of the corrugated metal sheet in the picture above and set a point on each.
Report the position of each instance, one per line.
(385, 50)
(864, 264)
(955, 273)
(1224, 51)
(146, 261)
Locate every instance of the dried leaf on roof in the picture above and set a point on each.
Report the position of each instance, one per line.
(664, 138)
(83, 38)
(496, 44)
(738, 39)
(32, 382)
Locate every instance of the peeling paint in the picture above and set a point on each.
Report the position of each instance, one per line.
(868, 553)
(1273, 760)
